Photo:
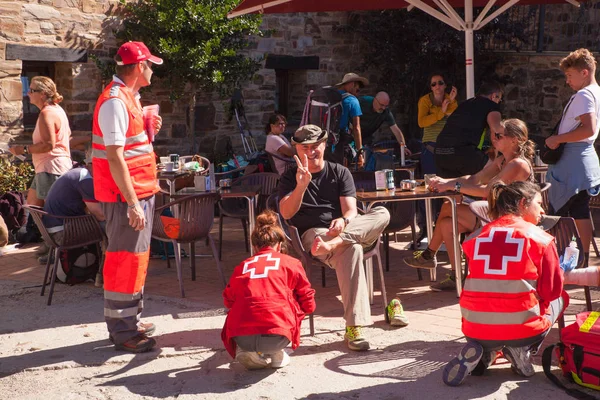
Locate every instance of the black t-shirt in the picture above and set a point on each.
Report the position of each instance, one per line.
(370, 120)
(321, 201)
(466, 124)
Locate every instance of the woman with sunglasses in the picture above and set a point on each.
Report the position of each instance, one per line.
(277, 145)
(514, 164)
(50, 150)
(434, 109)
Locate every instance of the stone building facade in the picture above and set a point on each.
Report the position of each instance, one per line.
(303, 51)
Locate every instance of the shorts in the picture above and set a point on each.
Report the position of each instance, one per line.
(42, 182)
(577, 207)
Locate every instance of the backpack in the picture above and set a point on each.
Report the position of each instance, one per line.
(324, 108)
(12, 211)
(578, 355)
(78, 265)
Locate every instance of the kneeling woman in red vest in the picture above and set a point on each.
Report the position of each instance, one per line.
(514, 291)
(267, 296)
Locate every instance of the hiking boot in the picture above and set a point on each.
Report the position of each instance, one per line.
(519, 359)
(280, 359)
(143, 329)
(461, 366)
(355, 339)
(251, 360)
(395, 313)
(418, 261)
(137, 344)
(42, 250)
(447, 284)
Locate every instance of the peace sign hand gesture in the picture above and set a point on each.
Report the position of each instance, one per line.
(303, 176)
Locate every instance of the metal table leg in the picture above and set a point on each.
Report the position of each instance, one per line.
(251, 218)
(456, 244)
(429, 223)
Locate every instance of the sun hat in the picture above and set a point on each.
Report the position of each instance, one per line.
(309, 134)
(352, 77)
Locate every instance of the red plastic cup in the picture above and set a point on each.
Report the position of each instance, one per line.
(149, 113)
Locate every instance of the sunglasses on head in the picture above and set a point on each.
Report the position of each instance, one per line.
(35, 90)
(441, 83)
(498, 135)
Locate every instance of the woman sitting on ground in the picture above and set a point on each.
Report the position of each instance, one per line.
(514, 291)
(267, 296)
(515, 164)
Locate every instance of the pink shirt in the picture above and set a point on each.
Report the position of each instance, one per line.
(58, 160)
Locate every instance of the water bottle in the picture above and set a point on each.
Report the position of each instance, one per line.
(211, 174)
(402, 161)
(571, 256)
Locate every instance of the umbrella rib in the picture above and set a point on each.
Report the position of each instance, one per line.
(450, 12)
(483, 13)
(497, 12)
(434, 13)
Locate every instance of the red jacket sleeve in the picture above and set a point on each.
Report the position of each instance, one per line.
(550, 281)
(304, 293)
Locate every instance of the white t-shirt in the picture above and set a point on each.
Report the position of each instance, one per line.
(113, 120)
(581, 103)
(274, 143)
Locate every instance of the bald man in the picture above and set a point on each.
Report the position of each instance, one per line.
(376, 111)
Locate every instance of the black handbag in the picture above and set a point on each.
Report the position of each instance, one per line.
(551, 156)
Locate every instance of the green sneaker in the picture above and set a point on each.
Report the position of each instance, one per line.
(447, 284)
(418, 261)
(395, 314)
(355, 339)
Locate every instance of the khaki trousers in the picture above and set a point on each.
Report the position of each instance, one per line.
(347, 260)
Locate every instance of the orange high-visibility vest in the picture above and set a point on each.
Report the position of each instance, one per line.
(137, 152)
(499, 300)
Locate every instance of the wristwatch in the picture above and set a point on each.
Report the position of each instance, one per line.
(346, 221)
(457, 187)
(25, 149)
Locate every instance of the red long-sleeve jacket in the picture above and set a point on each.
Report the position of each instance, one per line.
(268, 293)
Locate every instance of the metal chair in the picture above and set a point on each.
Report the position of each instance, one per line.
(83, 230)
(196, 216)
(402, 214)
(289, 162)
(234, 208)
(309, 262)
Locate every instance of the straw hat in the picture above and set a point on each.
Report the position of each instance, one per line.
(352, 77)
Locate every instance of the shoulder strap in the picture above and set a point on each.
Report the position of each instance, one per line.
(547, 364)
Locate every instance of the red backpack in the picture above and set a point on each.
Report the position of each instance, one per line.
(578, 355)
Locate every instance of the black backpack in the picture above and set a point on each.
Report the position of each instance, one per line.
(324, 108)
(78, 265)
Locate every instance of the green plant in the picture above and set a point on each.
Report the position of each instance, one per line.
(202, 49)
(15, 177)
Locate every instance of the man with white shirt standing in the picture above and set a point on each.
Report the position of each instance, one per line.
(576, 175)
(125, 183)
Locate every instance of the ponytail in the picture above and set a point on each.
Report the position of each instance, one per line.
(504, 199)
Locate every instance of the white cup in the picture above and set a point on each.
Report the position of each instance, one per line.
(169, 166)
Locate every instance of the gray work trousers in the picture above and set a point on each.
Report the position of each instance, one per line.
(267, 344)
(347, 260)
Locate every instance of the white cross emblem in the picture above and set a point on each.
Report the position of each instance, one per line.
(261, 268)
(492, 250)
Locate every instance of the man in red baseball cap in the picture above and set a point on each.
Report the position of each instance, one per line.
(125, 167)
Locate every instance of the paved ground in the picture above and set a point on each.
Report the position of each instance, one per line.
(62, 351)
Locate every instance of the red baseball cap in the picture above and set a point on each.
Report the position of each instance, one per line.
(135, 52)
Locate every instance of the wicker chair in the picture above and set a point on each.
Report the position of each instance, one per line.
(236, 208)
(564, 230)
(196, 216)
(289, 162)
(79, 231)
(309, 262)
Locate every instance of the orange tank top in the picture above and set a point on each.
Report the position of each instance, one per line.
(58, 160)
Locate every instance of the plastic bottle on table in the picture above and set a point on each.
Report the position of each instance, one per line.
(402, 160)
(211, 174)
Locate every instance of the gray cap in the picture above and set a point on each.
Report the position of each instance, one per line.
(309, 134)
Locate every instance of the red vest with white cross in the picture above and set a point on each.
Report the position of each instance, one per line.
(499, 299)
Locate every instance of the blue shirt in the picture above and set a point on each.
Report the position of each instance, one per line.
(350, 109)
(68, 195)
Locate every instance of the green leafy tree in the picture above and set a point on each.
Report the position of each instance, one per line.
(201, 48)
(409, 46)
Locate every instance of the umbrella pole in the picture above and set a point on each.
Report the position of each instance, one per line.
(469, 63)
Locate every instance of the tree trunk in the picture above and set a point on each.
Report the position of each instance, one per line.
(192, 120)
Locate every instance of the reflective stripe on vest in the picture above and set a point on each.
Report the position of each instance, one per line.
(500, 286)
(139, 138)
(500, 318)
(127, 154)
